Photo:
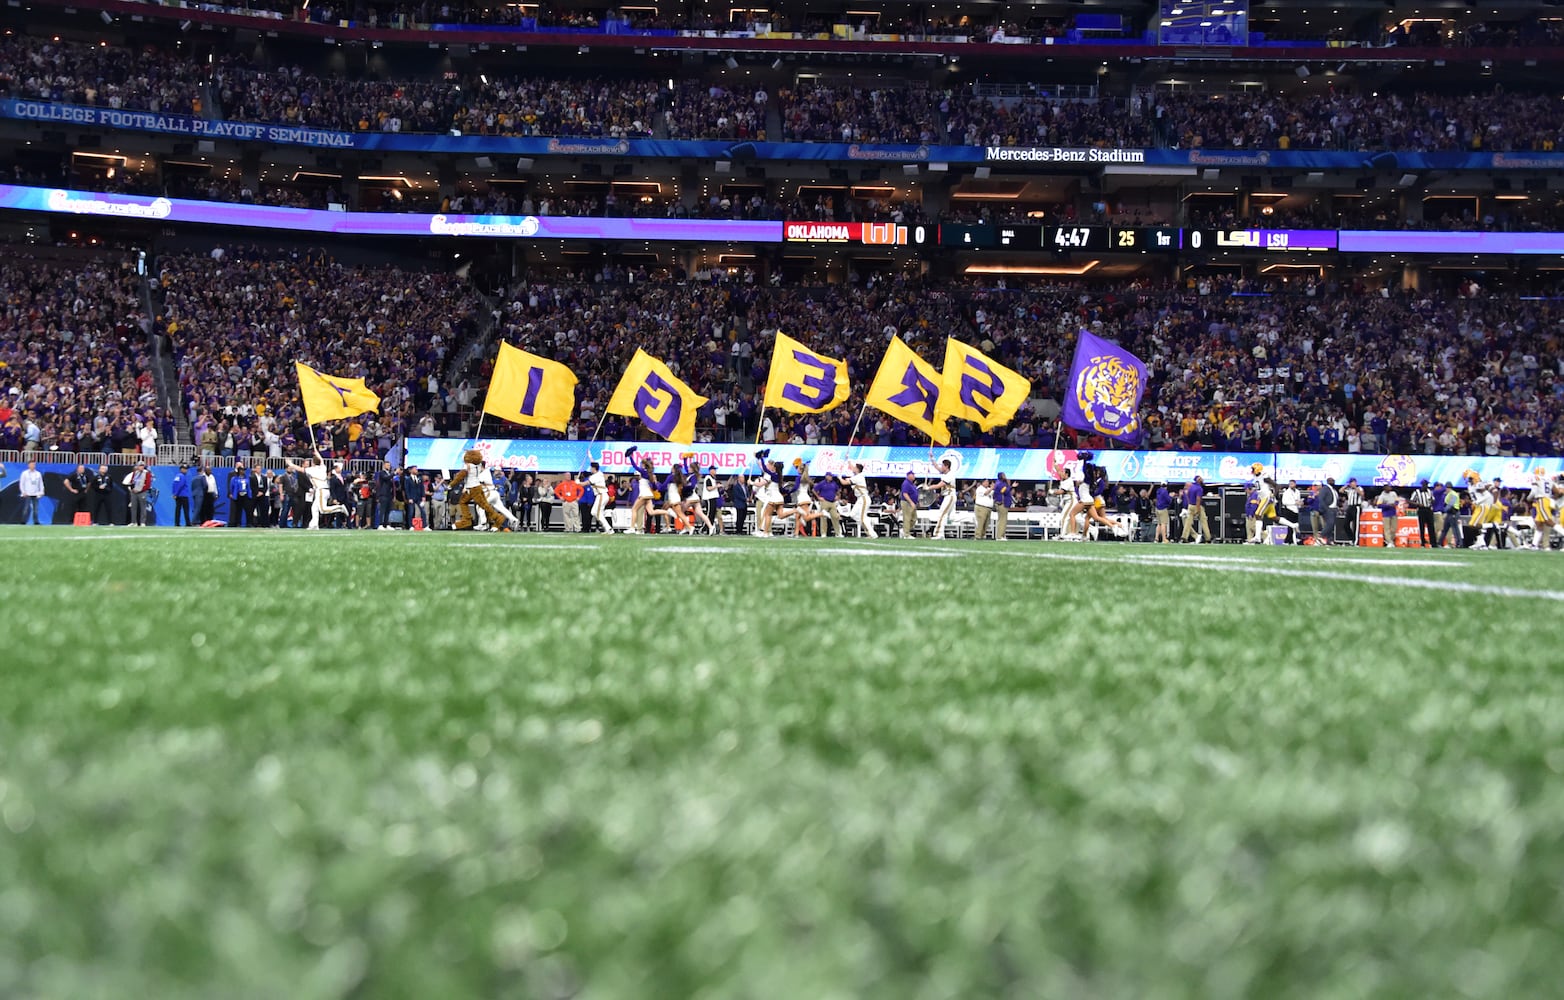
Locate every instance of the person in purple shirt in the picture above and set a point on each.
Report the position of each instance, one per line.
(1195, 512)
(1389, 507)
(909, 504)
(1162, 503)
(1004, 499)
(826, 492)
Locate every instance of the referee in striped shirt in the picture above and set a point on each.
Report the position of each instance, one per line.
(1422, 501)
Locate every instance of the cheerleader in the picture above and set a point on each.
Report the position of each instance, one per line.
(1096, 511)
(945, 485)
(803, 511)
(675, 488)
(855, 490)
(644, 505)
(768, 493)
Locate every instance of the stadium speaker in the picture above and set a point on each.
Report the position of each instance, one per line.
(982, 173)
(206, 146)
(869, 174)
(105, 17)
(1535, 184)
(1384, 161)
(184, 25)
(1251, 181)
(1406, 180)
(1365, 183)
(910, 169)
(755, 173)
(1281, 182)
(836, 173)
(1303, 72)
(777, 64)
(724, 166)
(523, 164)
(591, 170)
(1210, 174)
(484, 163)
(731, 63)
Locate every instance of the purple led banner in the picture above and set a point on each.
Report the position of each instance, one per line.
(122, 206)
(1374, 241)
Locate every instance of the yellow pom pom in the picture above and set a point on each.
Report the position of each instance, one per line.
(657, 494)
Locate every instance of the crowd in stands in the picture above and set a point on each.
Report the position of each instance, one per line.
(238, 320)
(106, 76)
(1314, 367)
(699, 110)
(982, 121)
(74, 368)
(1317, 118)
(812, 112)
(1236, 363)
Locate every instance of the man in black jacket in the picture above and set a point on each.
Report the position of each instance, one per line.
(102, 496)
(79, 485)
(385, 493)
(413, 493)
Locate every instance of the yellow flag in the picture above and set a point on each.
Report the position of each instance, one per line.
(908, 388)
(802, 381)
(650, 390)
(978, 388)
(527, 389)
(328, 397)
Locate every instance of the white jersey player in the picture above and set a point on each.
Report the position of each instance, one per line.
(945, 485)
(599, 484)
(319, 488)
(858, 511)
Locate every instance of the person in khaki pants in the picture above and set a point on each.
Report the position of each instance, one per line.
(982, 508)
(1195, 522)
(909, 505)
(1004, 499)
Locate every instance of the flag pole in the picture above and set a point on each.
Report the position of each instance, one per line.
(854, 432)
(760, 423)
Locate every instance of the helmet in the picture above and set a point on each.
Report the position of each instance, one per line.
(1257, 468)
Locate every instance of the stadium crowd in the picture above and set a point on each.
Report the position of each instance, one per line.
(1316, 368)
(74, 368)
(888, 112)
(1239, 364)
(238, 320)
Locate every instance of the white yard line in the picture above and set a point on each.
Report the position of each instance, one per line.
(521, 546)
(1241, 566)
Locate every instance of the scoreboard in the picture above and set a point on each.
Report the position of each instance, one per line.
(1060, 239)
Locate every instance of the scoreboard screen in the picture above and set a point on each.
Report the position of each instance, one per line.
(1059, 239)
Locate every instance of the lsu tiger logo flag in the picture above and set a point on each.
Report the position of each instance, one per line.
(802, 381)
(908, 388)
(527, 389)
(1104, 391)
(650, 390)
(978, 388)
(330, 397)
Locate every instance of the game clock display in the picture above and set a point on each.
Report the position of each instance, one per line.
(1059, 239)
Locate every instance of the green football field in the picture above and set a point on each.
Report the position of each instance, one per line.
(372, 764)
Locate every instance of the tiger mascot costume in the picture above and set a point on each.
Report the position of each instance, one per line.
(471, 486)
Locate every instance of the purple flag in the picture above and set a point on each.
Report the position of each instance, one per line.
(1104, 391)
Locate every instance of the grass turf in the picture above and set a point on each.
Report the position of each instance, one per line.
(250, 764)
